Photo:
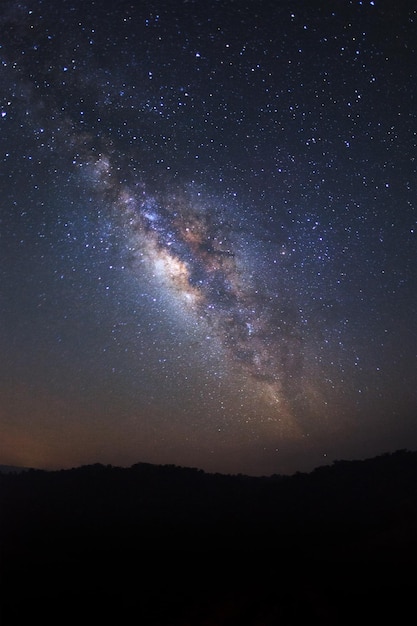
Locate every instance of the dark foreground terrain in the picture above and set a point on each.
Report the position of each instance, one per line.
(165, 545)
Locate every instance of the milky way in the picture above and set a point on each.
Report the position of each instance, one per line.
(208, 232)
(196, 255)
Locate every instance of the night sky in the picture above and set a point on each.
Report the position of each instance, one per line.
(207, 232)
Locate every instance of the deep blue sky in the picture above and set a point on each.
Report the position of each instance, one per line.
(207, 232)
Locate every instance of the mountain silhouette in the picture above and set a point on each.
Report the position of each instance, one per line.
(168, 545)
(13, 469)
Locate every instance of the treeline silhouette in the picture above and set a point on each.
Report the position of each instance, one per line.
(168, 545)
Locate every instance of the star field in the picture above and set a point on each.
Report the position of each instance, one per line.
(208, 232)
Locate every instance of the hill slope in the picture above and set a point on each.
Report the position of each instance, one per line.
(170, 545)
